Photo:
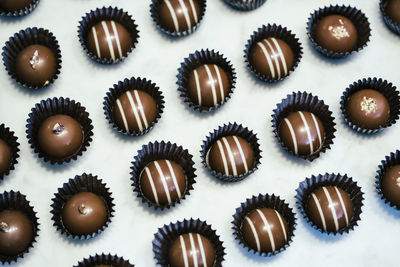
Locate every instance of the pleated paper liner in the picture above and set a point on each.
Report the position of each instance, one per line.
(81, 183)
(105, 259)
(245, 5)
(264, 201)
(305, 102)
(355, 15)
(159, 151)
(387, 89)
(12, 200)
(230, 130)
(390, 161)
(343, 182)
(10, 139)
(196, 60)
(167, 234)
(279, 32)
(106, 13)
(154, 11)
(21, 12)
(49, 107)
(23, 39)
(119, 89)
(392, 25)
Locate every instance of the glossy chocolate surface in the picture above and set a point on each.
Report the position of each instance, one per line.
(393, 10)
(178, 15)
(14, 5)
(390, 185)
(5, 157)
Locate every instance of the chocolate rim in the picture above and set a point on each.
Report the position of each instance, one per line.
(54, 106)
(81, 183)
(229, 130)
(305, 102)
(162, 150)
(113, 260)
(168, 233)
(264, 201)
(392, 160)
(358, 18)
(384, 87)
(21, 12)
(132, 84)
(23, 39)
(345, 183)
(196, 60)
(245, 6)
(9, 137)
(391, 24)
(14, 200)
(104, 13)
(277, 31)
(154, 6)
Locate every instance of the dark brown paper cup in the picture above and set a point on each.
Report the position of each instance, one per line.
(392, 25)
(11, 140)
(390, 161)
(106, 259)
(245, 5)
(21, 12)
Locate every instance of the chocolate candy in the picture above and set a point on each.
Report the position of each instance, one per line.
(14, 5)
(84, 213)
(109, 40)
(190, 250)
(102, 265)
(16, 232)
(36, 65)
(302, 133)
(330, 208)
(60, 136)
(5, 157)
(393, 10)
(390, 185)
(208, 85)
(179, 15)
(336, 33)
(134, 111)
(272, 57)
(231, 155)
(162, 182)
(368, 108)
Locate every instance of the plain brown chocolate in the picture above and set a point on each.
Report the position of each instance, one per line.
(336, 33)
(166, 16)
(208, 85)
(84, 213)
(368, 108)
(14, 5)
(393, 10)
(137, 117)
(169, 182)
(16, 232)
(5, 157)
(265, 222)
(195, 245)
(390, 185)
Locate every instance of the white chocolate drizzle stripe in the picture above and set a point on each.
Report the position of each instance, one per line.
(193, 250)
(268, 227)
(134, 109)
(96, 41)
(196, 19)
(108, 38)
(198, 88)
(293, 134)
(171, 170)
(202, 252)
(275, 58)
(282, 57)
(114, 27)
(318, 131)
(268, 57)
(332, 208)
(321, 214)
(221, 85)
(253, 229)
(185, 13)
(140, 109)
(307, 131)
(184, 253)
(222, 153)
(343, 206)
(153, 187)
(282, 225)
(163, 180)
(173, 15)
(121, 110)
(241, 153)
(211, 80)
(230, 154)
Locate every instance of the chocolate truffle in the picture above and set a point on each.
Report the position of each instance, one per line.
(84, 213)
(102, 265)
(208, 85)
(60, 136)
(390, 185)
(178, 15)
(16, 232)
(368, 108)
(36, 65)
(5, 157)
(393, 10)
(191, 250)
(134, 111)
(272, 58)
(14, 5)
(231, 155)
(109, 40)
(330, 208)
(336, 33)
(162, 182)
(302, 133)
(265, 230)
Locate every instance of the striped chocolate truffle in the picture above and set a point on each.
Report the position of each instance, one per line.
(109, 40)
(302, 133)
(134, 111)
(191, 250)
(265, 230)
(179, 15)
(208, 85)
(230, 155)
(272, 58)
(330, 208)
(162, 182)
